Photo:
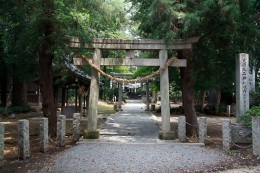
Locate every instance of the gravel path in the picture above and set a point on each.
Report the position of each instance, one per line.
(129, 143)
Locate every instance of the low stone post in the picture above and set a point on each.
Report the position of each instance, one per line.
(256, 135)
(182, 129)
(226, 135)
(61, 130)
(202, 129)
(23, 139)
(76, 127)
(2, 136)
(44, 138)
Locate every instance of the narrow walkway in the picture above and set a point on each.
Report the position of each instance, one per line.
(133, 124)
(129, 143)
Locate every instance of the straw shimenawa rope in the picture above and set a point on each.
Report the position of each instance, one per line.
(121, 80)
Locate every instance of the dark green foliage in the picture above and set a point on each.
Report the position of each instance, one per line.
(225, 28)
(247, 117)
(16, 109)
(255, 97)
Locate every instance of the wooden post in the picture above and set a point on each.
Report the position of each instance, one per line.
(63, 97)
(76, 99)
(91, 132)
(147, 97)
(80, 103)
(120, 97)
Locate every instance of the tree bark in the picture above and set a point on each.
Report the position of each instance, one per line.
(46, 56)
(3, 83)
(63, 97)
(203, 100)
(218, 99)
(188, 95)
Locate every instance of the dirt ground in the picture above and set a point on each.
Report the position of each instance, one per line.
(241, 156)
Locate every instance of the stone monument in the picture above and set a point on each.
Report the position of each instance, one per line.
(240, 133)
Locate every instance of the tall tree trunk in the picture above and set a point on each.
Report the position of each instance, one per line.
(203, 100)
(46, 56)
(188, 95)
(3, 83)
(63, 97)
(218, 99)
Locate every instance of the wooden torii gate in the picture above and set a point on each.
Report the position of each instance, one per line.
(98, 45)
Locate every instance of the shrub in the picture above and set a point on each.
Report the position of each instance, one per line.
(16, 109)
(247, 117)
(255, 97)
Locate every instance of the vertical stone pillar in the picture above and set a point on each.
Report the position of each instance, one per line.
(2, 136)
(202, 129)
(44, 138)
(61, 130)
(147, 97)
(165, 133)
(251, 80)
(23, 139)
(256, 135)
(91, 132)
(242, 85)
(228, 110)
(120, 97)
(182, 129)
(76, 127)
(226, 135)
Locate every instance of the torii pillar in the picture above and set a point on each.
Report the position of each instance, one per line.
(92, 132)
(165, 132)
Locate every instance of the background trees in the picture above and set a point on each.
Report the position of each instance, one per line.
(225, 28)
(32, 36)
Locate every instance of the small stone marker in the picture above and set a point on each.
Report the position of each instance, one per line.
(44, 138)
(228, 110)
(182, 129)
(202, 129)
(23, 139)
(256, 135)
(76, 127)
(242, 84)
(2, 135)
(61, 130)
(226, 134)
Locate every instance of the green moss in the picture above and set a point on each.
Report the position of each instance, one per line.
(167, 135)
(91, 134)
